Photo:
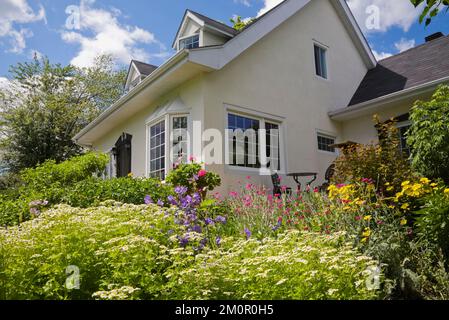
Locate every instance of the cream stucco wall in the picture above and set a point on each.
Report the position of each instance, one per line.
(191, 95)
(277, 76)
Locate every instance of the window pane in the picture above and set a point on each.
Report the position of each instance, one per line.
(190, 43)
(179, 142)
(244, 148)
(325, 142)
(403, 140)
(273, 144)
(320, 62)
(157, 150)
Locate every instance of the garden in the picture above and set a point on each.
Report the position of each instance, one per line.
(379, 231)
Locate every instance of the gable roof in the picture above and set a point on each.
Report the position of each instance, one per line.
(190, 62)
(144, 69)
(420, 65)
(204, 21)
(214, 23)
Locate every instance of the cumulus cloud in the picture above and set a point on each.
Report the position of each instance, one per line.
(381, 55)
(246, 3)
(381, 15)
(100, 32)
(13, 15)
(404, 44)
(268, 5)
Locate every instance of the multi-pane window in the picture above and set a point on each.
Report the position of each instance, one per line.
(325, 143)
(273, 145)
(243, 142)
(320, 62)
(403, 129)
(179, 139)
(190, 42)
(157, 150)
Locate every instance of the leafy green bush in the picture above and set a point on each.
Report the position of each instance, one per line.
(65, 173)
(91, 192)
(428, 136)
(48, 182)
(382, 163)
(134, 252)
(294, 266)
(194, 177)
(433, 220)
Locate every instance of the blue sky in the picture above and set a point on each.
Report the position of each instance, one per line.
(144, 30)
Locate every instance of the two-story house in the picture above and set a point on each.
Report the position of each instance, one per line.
(302, 74)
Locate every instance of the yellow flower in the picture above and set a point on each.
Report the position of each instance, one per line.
(446, 191)
(367, 218)
(130, 174)
(387, 184)
(367, 233)
(405, 206)
(433, 184)
(425, 181)
(403, 222)
(405, 183)
(390, 188)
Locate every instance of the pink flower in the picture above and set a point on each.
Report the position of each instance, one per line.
(249, 186)
(192, 159)
(248, 177)
(233, 194)
(202, 173)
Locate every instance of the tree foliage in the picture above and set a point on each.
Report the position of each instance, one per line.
(239, 24)
(47, 104)
(428, 136)
(431, 9)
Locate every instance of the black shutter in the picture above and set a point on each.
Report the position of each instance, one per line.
(123, 155)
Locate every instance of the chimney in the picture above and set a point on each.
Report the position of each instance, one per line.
(434, 36)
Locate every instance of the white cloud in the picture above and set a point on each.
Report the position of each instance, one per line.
(381, 15)
(101, 33)
(246, 3)
(404, 44)
(14, 13)
(268, 5)
(381, 55)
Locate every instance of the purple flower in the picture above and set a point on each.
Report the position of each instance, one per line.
(209, 221)
(218, 241)
(148, 200)
(195, 177)
(279, 224)
(197, 229)
(247, 233)
(196, 198)
(220, 219)
(181, 190)
(172, 200)
(160, 203)
(183, 241)
(35, 211)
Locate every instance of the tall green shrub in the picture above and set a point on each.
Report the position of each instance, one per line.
(428, 136)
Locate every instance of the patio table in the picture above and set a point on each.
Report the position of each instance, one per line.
(298, 175)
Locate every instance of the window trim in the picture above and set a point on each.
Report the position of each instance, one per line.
(328, 136)
(187, 37)
(262, 118)
(326, 56)
(167, 117)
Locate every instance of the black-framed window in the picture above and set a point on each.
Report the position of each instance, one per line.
(320, 61)
(248, 156)
(122, 154)
(325, 143)
(180, 139)
(273, 144)
(190, 42)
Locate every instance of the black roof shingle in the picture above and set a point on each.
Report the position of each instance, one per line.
(422, 64)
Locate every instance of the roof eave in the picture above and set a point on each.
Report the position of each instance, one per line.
(177, 58)
(374, 105)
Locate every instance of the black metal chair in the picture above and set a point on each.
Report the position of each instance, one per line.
(328, 176)
(277, 188)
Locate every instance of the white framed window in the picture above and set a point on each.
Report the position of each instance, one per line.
(326, 142)
(157, 137)
(168, 143)
(189, 42)
(320, 53)
(244, 146)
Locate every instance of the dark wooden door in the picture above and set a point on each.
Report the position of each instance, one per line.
(122, 152)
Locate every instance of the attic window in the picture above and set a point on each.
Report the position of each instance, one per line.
(190, 42)
(320, 61)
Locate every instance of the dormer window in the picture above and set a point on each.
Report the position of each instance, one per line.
(190, 42)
